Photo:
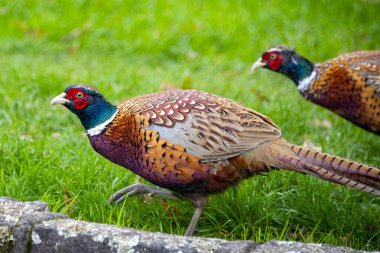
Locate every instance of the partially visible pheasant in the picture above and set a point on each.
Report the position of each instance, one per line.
(195, 143)
(348, 85)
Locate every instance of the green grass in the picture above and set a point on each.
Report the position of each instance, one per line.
(128, 48)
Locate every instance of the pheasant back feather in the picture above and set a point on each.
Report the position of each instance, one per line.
(349, 85)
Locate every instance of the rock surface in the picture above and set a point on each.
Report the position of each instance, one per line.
(31, 227)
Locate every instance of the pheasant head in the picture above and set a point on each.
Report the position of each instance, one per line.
(93, 110)
(286, 61)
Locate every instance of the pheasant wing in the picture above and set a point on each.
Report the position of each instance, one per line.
(208, 126)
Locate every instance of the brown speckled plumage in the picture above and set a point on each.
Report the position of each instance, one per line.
(195, 144)
(172, 135)
(348, 85)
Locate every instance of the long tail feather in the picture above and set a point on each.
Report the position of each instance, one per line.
(329, 167)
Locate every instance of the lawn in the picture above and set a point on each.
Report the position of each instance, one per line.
(128, 48)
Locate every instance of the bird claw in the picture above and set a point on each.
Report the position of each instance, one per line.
(141, 189)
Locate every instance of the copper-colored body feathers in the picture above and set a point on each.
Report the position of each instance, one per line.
(182, 140)
(349, 85)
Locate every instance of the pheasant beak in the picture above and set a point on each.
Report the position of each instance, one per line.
(60, 100)
(257, 64)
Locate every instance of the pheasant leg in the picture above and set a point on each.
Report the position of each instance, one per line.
(141, 189)
(199, 203)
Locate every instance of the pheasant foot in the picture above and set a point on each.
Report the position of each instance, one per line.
(141, 189)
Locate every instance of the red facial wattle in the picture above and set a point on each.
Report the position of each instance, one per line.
(81, 103)
(273, 60)
(79, 97)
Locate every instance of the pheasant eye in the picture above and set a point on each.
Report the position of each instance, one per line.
(79, 95)
(273, 56)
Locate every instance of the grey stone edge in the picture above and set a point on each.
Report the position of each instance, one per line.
(31, 227)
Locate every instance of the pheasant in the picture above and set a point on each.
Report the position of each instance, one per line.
(348, 85)
(195, 144)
